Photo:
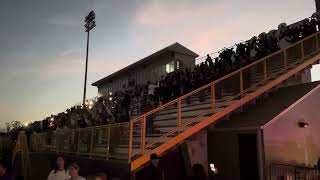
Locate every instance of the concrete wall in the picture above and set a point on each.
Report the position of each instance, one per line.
(285, 142)
(197, 149)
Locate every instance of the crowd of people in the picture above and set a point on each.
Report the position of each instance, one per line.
(115, 108)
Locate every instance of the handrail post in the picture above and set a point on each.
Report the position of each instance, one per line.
(265, 69)
(285, 60)
(302, 52)
(91, 145)
(143, 133)
(241, 82)
(130, 140)
(179, 114)
(213, 96)
(108, 143)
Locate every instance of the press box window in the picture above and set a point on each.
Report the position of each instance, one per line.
(170, 67)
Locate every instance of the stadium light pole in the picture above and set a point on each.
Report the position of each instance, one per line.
(90, 24)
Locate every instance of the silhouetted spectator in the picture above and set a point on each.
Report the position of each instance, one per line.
(153, 171)
(209, 61)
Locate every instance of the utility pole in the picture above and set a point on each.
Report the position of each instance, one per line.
(90, 24)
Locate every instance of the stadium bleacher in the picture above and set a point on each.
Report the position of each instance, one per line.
(234, 80)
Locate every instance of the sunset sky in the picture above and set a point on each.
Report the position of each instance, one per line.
(42, 42)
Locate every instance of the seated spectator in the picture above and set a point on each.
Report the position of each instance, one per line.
(74, 172)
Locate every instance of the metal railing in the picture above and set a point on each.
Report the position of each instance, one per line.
(291, 172)
(130, 141)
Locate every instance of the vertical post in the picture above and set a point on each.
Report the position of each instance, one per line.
(265, 69)
(302, 52)
(285, 59)
(108, 143)
(91, 145)
(130, 140)
(213, 96)
(241, 82)
(143, 133)
(179, 123)
(86, 70)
